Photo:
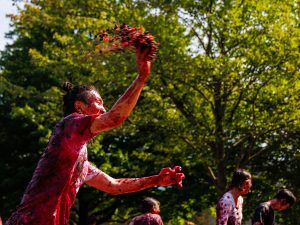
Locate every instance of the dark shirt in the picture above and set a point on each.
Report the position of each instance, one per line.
(264, 214)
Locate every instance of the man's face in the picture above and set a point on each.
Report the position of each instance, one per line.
(282, 205)
(94, 106)
(156, 208)
(246, 187)
(96, 103)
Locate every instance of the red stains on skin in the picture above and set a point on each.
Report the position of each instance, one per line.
(166, 177)
(174, 174)
(123, 107)
(94, 106)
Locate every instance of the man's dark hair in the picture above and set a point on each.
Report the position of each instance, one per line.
(147, 204)
(92, 220)
(286, 195)
(74, 93)
(239, 177)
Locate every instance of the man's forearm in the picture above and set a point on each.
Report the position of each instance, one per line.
(127, 185)
(125, 104)
(121, 109)
(106, 183)
(113, 186)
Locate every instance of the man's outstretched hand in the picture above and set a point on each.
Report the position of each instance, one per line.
(168, 176)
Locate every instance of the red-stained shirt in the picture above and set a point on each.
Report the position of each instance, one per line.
(227, 212)
(147, 219)
(60, 172)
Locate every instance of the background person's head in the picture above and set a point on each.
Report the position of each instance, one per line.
(92, 220)
(83, 99)
(242, 181)
(283, 200)
(150, 205)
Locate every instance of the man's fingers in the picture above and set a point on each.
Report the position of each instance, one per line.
(177, 169)
(166, 170)
(179, 179)
(172, 176)
(143, 53)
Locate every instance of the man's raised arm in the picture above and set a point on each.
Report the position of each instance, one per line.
(125, 104)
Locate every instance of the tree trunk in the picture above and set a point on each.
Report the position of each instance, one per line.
(219, 143)
(83, 211)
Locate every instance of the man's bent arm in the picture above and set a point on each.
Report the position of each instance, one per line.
(106, 183)
(113, 186)
(123, 107)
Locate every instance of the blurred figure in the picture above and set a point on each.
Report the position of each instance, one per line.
(230, 205)
(92, 220)
(150, 208)
(264, 213)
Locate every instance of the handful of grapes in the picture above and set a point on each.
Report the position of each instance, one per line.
(123, 37)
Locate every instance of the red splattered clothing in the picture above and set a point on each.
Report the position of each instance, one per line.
(227, 212)
(62, 169)
(147, 219)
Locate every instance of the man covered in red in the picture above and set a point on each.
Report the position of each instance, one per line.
(64, 166)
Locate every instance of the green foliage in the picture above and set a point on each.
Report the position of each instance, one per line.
(223, 94)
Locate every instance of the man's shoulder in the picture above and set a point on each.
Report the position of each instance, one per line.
(151, 215)
(146, 218)
(226, 199)
(263, 207)
(156, 216)
(264, 214)
(73, 116)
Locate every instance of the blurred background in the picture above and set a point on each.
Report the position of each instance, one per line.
(223, 94)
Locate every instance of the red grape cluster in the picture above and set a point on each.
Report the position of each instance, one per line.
(123, 37)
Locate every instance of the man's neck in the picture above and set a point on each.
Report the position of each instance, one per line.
(235, 194)
(272, 203)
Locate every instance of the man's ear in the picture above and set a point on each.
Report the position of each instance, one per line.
(283, 201)
(153, 210)
(78, 105)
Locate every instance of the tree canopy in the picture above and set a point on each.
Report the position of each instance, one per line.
(223, 94)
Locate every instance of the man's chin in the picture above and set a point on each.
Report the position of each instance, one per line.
(99, 113)
(244, 194)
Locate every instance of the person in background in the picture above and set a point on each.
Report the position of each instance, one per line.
(230, 206)
(264, 213)
(150, 208)
(92, 220)
(64, 167)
